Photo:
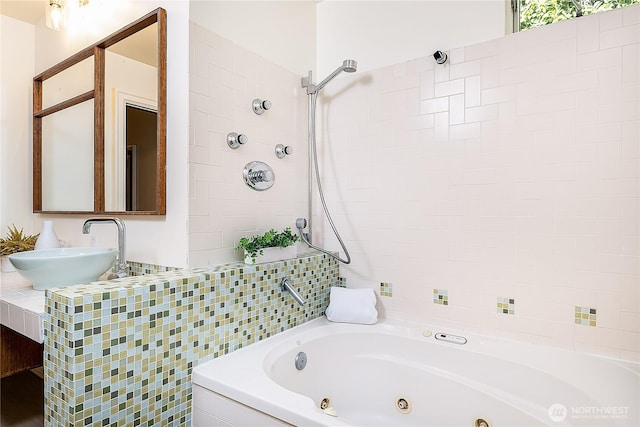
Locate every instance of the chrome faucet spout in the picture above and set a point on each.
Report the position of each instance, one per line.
(285, 285)
(122, 269)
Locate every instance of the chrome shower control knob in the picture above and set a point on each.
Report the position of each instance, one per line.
(258, 175)
(234, 140)
(260, 106)
(283, 150)
(261, 176)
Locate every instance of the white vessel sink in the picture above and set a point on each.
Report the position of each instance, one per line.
(51, 268)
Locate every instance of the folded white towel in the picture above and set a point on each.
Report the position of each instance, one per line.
(352, 306)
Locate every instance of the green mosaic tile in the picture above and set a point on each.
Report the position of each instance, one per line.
(506, 305)
(141, 269)
(120, 352)
(441, 296)
(386, 289)
(585, 316)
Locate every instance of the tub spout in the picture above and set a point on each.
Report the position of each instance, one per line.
(121, 267)
(285, 285)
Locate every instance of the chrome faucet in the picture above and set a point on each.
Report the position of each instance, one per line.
(285, 285)
(121, 267)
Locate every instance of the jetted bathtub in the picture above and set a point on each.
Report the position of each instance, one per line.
(400, 374)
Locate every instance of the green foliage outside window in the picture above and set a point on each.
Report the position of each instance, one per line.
(535, 13)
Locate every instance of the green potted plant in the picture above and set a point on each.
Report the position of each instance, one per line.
(15, 241)
(271, 246)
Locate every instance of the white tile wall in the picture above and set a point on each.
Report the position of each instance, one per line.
(224, 80)
(511, 171)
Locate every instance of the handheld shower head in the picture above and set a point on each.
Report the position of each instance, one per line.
(349, 65)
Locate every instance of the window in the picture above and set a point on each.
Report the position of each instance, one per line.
(535, 13)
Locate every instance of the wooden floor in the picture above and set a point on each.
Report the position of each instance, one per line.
(22, 403)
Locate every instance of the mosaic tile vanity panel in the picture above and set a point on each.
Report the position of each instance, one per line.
(140, 269)
(121, 352)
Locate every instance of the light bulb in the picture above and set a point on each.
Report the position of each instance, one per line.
(55, 14)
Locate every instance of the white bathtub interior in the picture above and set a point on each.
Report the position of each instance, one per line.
(366, 370)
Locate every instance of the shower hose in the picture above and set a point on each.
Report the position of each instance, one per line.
(312, 138)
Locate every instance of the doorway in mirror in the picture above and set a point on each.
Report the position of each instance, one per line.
(141, 157)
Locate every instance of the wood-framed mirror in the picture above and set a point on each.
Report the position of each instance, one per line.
(99, 125)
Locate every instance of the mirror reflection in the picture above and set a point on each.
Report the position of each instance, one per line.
(67, 159)
(131, 83)
(100, 125)
(141, 157)
(73, 81)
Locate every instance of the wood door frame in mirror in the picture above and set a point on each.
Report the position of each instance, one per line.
(97, 50)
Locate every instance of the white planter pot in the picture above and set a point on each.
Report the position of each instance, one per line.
(272, 254)
(7, 267)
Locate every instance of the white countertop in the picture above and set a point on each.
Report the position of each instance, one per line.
(21, 306)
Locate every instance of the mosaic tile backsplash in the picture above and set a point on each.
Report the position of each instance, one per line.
(121, 352)
(386, 289)
(506, 305)
(585, 316)
(441, 296)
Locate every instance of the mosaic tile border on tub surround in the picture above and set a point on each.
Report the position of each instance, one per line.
(585, 316)
(506, 305)
(386, 289)
(121, 352)
(441, 296)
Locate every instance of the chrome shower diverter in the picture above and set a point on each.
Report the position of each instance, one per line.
(258, 175)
